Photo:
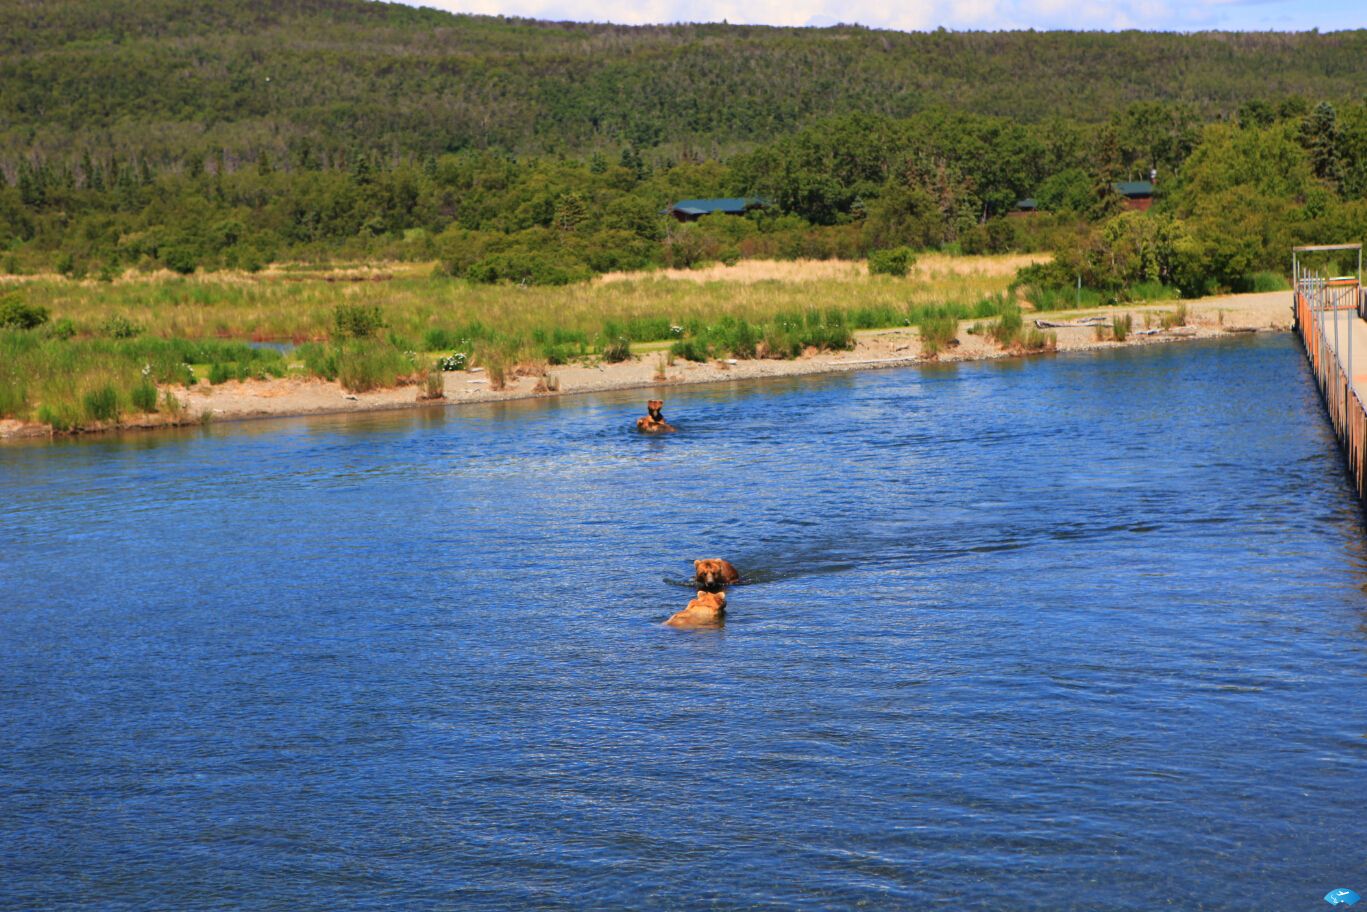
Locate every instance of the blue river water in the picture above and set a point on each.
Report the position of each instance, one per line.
(1082, 632)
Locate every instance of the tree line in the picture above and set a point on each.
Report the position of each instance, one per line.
(157, 135)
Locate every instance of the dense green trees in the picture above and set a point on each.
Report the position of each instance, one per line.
(313, 80)
(1237, 197)
(168, 134)
(1234, 208)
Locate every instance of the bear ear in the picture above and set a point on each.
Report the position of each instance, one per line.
(697, 565)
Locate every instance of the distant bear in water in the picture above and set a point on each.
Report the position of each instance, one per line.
(715, 574)
(654, 421)
(707, 610)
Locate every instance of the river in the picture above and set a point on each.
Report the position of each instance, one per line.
(1081, 632)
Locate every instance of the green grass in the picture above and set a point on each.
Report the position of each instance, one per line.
(123, 333)
(1045, 299)
(937, 333)
(73, 382)
(364, 366)
(1006, 329)
(1264, 282)
(554, 324)
(1152, 291)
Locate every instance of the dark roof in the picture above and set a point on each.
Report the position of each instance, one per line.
(1134, 188)
(732, 204)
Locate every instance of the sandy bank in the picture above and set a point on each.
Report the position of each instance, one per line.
(231, 401)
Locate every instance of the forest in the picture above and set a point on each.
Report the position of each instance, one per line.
(166, 135)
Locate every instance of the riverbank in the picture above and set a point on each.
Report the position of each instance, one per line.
(874, 349)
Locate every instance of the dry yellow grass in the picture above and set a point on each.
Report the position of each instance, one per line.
(933, 265)
(928, 267)
(293, 302)
(749, 271)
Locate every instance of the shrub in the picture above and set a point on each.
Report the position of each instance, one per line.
(144, 397)
(435, 386)
(497, 369)
(1121, 326)
(356, 321)
(436, 339)
(731, 335)
(526, 267)
(119, 327)
(181, 259)
(62, 329)
(15, 314)
(1064, 298)
(1176, 317)
(101, 403)
(219, 373)
(1035, 339)
(894, 262)
(937, 333)
(1007, 327)
(456, 361)
(1262, 282)
(171, 404)
(690, 350)
(60, 417)
(366, 366)
(617, 350)
(319, 360)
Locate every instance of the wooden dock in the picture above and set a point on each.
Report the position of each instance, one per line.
(1330, 320)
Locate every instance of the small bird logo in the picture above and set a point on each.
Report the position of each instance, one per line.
(1341, 896)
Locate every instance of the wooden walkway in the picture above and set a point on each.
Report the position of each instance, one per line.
(1330, 324)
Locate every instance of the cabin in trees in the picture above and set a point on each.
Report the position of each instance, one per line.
(1138, 194)
(694, 209)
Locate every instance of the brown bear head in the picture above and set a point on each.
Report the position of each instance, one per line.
(714, 574)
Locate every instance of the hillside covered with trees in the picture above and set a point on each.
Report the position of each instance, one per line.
(199, 136)
(319, 78)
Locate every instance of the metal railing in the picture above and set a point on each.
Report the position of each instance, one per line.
(1319, 302)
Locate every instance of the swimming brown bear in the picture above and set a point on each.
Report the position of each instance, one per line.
(707, 610)
(715, 574)
(654, 420)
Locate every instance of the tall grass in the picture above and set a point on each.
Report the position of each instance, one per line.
(362, 367)
(1006, 329)
(74, 382)
(151, 329)
(1263, 282)
(517, 324)
(1063, 298)
(1152, 291)
(937, 333)
(1177, 317)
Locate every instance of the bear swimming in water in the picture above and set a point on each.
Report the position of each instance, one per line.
(654, 420)
(715, 574)
(707, 610)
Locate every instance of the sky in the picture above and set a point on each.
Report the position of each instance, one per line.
(918, 15)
